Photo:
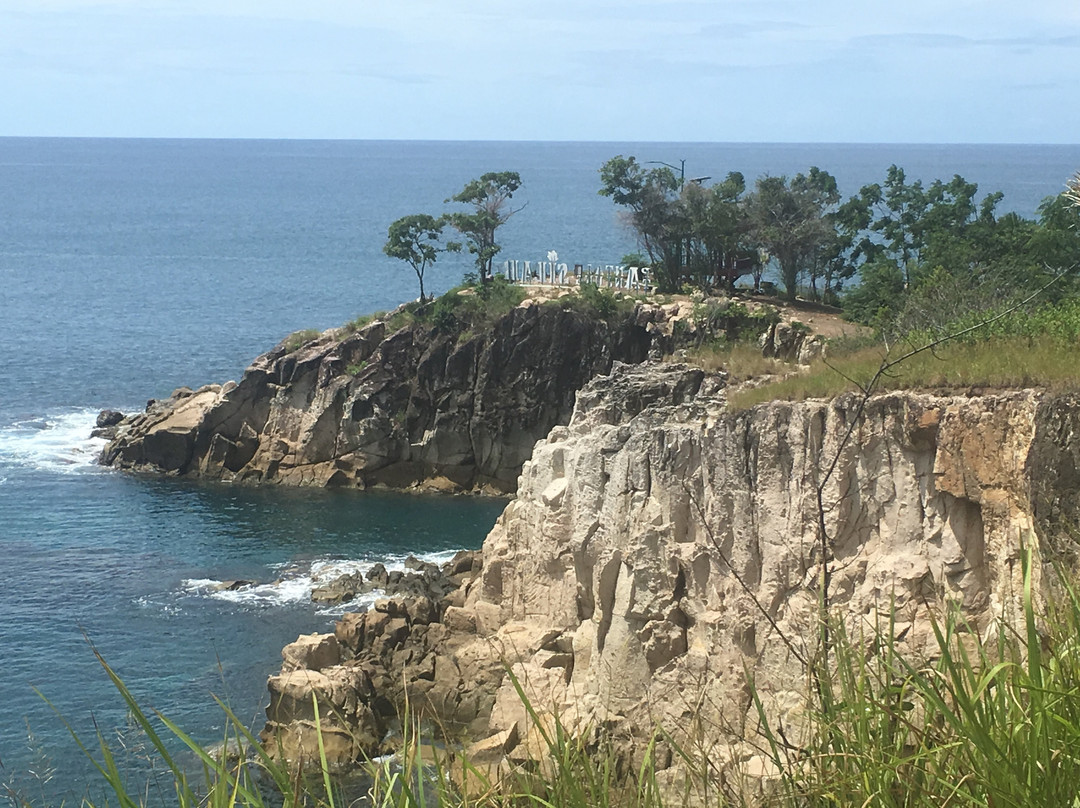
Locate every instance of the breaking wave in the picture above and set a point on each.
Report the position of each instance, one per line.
(295, 582)
(58, 442)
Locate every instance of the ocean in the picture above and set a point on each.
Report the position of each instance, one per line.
(131, 267)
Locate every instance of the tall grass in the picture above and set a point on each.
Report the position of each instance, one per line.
(991, 722)
(982, 721)
(741, 360)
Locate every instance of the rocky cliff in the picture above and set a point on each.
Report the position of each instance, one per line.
(675, 545)
(662, 549)
(418, 405)
(413, 406)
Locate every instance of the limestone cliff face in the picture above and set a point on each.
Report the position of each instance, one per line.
(662, 547)
(413, 407)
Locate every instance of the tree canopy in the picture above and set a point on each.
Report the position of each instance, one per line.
(489, 196)
(417, 240)
(894, 246)
(790, 221)
(691, 233)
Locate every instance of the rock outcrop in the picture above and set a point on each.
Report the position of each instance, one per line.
(418, 406)
(662, 548)
(674, 545)
(408, 647)
(412, 407)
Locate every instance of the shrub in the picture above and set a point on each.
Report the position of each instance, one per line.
(730, 321)
(598, 302)
(476, 310)
(362, 321)
(594, 302)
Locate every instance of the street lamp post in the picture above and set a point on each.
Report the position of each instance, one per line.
(681, 168)
(682, 171)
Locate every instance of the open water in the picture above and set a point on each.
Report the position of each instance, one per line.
(129, 268)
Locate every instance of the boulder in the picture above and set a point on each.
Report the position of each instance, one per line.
(335, 703)
(312, 652)
(107, 418)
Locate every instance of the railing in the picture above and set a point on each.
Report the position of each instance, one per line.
(553, 273)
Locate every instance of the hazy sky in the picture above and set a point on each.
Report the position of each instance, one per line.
(715, 70)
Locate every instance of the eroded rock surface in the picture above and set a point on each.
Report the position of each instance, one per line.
(413, 407)
(661, 548)
(671, 543)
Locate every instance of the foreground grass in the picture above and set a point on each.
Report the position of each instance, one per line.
(995, 363)
(991, 721)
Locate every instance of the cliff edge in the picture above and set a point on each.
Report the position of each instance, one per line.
(402, 408)
(662, 551)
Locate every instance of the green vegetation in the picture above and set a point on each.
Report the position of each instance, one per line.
(740, 360)
(872, 253)
(1000, 349)
(980, 722)
(915, 246)
(729, 321)
(417, 240)
(592, 301)
(300, 338)
(998, 363)
(474, 307)
(790, 222)
(990, 721)
(691, 233)
(489, 196)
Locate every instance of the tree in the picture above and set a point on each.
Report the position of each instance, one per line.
(926, 253)
(654, 213)
(489, 197)
(918, 227)
(790, 221)
(692, 232)
(718, 244)
(417, 240)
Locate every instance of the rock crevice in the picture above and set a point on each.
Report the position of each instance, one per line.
(659, 545)
(415, 407)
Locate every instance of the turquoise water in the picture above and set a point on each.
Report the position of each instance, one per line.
(129, 268)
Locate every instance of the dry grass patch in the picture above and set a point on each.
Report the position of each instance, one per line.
(1004, 363)
(740, 360)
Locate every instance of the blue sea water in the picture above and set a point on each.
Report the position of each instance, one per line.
(129, 268)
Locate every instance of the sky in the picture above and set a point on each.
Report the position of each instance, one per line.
(881, 71)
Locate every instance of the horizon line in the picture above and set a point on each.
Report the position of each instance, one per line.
(553, 141)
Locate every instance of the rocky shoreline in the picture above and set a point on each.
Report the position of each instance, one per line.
(361, 675)
(408, 407)
(661, 550)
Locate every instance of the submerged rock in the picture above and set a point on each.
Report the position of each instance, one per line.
(420, 579)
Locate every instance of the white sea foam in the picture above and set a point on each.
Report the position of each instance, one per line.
(295, 582)
(58, 442)
(281, 592)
